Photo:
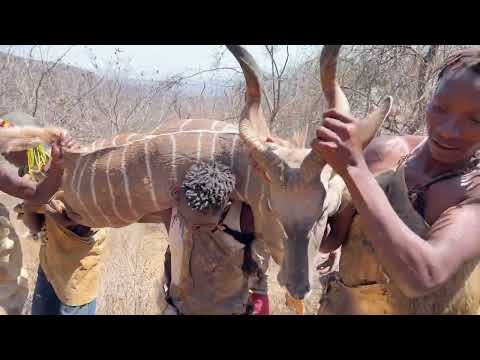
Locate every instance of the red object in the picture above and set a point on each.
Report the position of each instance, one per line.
(260, 304)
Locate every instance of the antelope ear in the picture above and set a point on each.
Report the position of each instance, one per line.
(370, 125)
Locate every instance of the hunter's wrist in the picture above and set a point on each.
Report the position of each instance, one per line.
(354, 171)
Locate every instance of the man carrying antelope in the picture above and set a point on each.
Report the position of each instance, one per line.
(127, 179)
(213, 260)
(410, 235)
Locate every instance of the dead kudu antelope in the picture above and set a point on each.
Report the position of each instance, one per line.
(127, 179)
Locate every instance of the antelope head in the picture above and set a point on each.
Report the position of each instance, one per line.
(299, 195)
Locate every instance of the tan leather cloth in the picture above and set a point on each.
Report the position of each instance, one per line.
(207, 276)
(71, 263)
(363, 287)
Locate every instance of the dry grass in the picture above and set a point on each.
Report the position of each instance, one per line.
(132, 271)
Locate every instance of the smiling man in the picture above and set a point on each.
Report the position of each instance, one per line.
(410, 235)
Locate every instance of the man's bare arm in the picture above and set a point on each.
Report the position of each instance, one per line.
(38, 193)
(418, 266)
(28, 190)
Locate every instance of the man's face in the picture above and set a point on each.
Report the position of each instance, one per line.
(197, 221)
(453, 117)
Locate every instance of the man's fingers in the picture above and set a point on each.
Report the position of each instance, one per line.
(337, 126)
(324, 144)
(58, 206)
(56, 154)
(325, 134)
(335, 114)
(68, 142)
(55, 149)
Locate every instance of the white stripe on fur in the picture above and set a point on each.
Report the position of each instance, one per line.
(93, 188)
(123, 169)
(199, 146)
(148, 165)
(110, 190)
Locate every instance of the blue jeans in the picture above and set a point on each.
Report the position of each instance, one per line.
(46, 302)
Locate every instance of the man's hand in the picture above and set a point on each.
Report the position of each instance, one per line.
(56, 210)
(56, 162)
(67, 142)
(327, 265)
(338, 142)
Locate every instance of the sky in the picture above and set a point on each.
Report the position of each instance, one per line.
(167, 59)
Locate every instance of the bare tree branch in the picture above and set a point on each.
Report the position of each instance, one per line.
(45, 73)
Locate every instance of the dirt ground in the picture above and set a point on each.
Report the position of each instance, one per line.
(133, 269)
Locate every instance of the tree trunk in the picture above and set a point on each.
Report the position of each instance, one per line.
(419, 109)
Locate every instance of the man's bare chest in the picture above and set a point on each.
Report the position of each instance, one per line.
(442, 195)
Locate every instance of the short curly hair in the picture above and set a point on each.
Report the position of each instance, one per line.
(468, 58)
(207, 187)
